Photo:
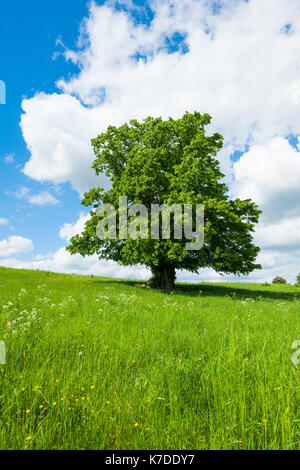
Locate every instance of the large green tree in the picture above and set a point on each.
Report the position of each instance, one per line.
(169, 162)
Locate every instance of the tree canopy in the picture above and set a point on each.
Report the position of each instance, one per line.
(169, 162)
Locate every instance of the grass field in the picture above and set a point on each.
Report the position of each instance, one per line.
(97, 363)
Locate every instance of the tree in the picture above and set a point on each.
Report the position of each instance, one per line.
(169, 162)
(298, 279)
(279, 280)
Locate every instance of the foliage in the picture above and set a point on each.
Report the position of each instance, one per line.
(279, 280)
(169, 162)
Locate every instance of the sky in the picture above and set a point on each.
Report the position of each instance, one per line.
(71, 69)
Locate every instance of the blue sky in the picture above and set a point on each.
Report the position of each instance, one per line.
(28, 35)
(236, 60)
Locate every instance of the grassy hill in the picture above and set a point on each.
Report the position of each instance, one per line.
(96, 363)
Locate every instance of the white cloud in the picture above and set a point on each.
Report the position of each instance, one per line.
(9, 158)
(22, 192)
(242, 72)
(3, 221)
(64, 262)
(69, 230)
(43, 199)
(283, 236)
(270, 175)
(15, 244)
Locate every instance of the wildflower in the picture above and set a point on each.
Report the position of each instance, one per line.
(82, 389)
(136, 425)
(23, 389)
(41, 406)
(148, 428)
(77, 400)
(108, 402)
(264, 421)
(133, 362)
(92, 387)
(54, 404)
(57, 381)
(27, 412)
(28, 438)
(62, 398)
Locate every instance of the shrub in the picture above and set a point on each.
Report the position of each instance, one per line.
(279, 280)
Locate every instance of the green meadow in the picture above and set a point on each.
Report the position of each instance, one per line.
(96, 363)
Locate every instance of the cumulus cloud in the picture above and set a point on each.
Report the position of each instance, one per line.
(270, 175)
(69, 230)
(43, 199)
(9, 158)
(3, 221)
(61, 261)
(15, 244)
(283, 236)
(242, 67)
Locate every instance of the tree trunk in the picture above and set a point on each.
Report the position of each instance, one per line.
(163, 277)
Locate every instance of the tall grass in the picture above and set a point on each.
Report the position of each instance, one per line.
(95, 363)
